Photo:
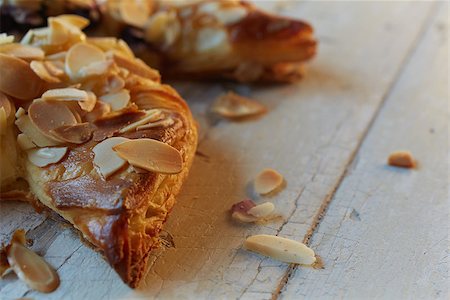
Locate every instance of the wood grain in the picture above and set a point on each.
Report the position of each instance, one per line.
(311, 133)
(385, 235)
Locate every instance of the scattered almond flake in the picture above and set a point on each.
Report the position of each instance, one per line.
(16, 72)
(136, 66)
(28, 37)
(161, 123)
(43, 157)
(6, 39)
(65, 94)
(281, 249)
(81, 55)
(55, 68)
(150, 115)
(151, 155)
(402, 159)
(95, 69)
(24, 52)
(26, 126)
(40, 69)
(25, 142)
(123, 48)
(233, 106)
(135, 12)
(48, 115)
(99, 111)
(162, 28)
(75, 134)
(30, 267)
(88, 104)
(114, 84)
(59, 56)
(74, 20)
(111, 44)
(106, 159)
(262, 210)
(117, 100)
(267, 181)
(58, 32)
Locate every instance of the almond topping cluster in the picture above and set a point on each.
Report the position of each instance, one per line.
(72, 89)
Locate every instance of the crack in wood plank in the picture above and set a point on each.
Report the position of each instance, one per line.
(326, 202)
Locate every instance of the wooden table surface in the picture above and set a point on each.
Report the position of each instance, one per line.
(379, 84)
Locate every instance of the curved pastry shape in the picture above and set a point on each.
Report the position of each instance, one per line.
(94, 95)
(200, 38)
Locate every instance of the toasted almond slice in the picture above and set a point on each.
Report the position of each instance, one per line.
(24, 52)
(151, 115)
(161, 123)
(95, 69)
(281, 249)
(43, 157)
(65, 94)
(110, 43)
(262, 210)
(402, 159)
(74, 20)
(25, 142)
(267, 181)
(48, 115)
(135, 12)
(151, 155)
(106, 159)
(100, 110)
(58, 32)
(81, 55)
(136, 66)
(16, 72)
(6, 39)
(244, 218)
(55, 68)
(60, 56)
(75, 134)
(26, 126)
(20, 112)
(114, 84)
(89, 104)
(117, 100)
(32, 268)
(40, 69)
(233, 106)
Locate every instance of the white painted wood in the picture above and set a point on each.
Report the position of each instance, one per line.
(385, 235)
(309, 135)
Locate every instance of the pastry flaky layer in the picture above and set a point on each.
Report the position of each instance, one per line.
(201, 38)
(97, 136)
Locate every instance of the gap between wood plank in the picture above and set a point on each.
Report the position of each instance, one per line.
(326, 202)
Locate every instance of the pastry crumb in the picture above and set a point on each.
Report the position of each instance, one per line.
(402, 159)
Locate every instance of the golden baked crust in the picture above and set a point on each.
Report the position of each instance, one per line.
(122, 212)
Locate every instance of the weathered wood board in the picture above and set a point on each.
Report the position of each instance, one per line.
(385, 234)
(310, 135)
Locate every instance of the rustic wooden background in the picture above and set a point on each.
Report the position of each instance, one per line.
(380, 83)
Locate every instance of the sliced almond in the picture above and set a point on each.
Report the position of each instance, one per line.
(115, 83)
(161, 123)
(75, 134)
(402, 159)
(95, 69)
(26, 126)
(243, 218)
(150, 116)
(16, 73)
(20, 112)
(136, 66)
(281, 249)
(267, 181)
(233, 106)
(151, 155)
(106, 159)
(24, 52)
(135, 12)
(32, 268)
(117, 100)
(6, 39)
(3, 121)
(99, 111)
(25, 142)
(82, 55)
(74, 20)
(49, 115)
(6, 105)
(42, 157)
(110, 43)
(89, 104)
(65, 94)
(41, 70)
(58, 32)
(55, 68)
(262, 210)
(59, 56)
